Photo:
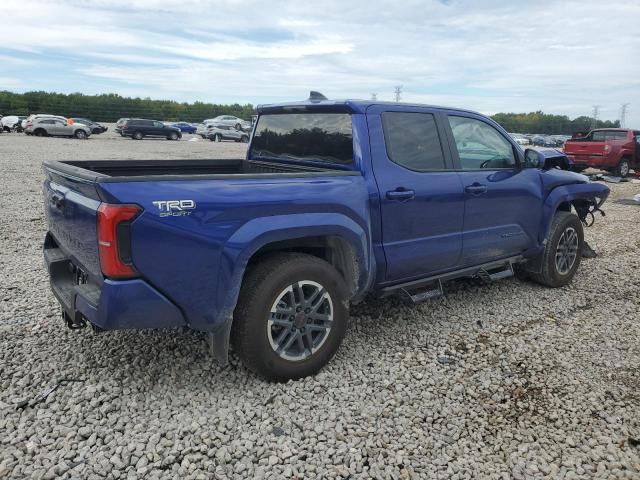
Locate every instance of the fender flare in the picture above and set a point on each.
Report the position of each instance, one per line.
(257, 233)
(593, 193)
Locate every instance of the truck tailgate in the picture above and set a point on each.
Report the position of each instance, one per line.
(584, 150)
(71, 209)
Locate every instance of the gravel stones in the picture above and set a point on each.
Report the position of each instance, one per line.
(506, 380)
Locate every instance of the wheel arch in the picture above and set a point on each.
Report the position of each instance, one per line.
(579, 197)
(334, 237)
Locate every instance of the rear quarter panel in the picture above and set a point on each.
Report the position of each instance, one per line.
(198, 260)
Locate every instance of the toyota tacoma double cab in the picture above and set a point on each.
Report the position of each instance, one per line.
(613, 149)
(334, 201)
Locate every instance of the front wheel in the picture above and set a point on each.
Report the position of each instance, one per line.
(173, 136)
(291, 316)
(563, 251)
(80, 134)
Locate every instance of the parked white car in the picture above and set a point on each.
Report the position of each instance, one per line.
(520, 139)
(49, 125)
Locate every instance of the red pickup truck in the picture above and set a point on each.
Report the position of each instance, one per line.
(616, 150)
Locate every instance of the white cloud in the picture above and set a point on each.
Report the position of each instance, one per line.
(558, 56)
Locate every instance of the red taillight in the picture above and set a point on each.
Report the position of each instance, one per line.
(114, 239)
(124, 125)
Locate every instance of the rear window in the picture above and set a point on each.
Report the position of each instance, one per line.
(616, 135)
(323, 137)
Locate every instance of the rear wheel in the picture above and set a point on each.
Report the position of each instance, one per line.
(137, 136)
(80, 134)
(622, 170)
(244, 139)
(40, 133)
(291, 316)
(563, 251)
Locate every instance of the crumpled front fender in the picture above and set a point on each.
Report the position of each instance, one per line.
(591, 192)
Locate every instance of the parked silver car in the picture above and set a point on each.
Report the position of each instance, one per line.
(230, 120)
(45, 126)
(217, 133)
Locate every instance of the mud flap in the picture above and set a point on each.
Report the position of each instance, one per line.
(218, 342)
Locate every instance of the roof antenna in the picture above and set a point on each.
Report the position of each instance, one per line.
(316, 96)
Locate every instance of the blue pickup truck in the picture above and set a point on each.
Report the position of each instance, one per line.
(335, 200)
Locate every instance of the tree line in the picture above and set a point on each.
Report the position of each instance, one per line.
(110, 107)
(538, 122)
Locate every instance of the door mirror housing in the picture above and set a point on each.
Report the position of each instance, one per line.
(546, 159)
(533, 159)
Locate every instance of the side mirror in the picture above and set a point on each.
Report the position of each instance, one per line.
(533, 159)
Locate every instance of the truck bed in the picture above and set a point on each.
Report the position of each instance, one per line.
(101, 171)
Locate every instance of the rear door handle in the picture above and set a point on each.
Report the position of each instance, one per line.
(401, 194)
(476, 189)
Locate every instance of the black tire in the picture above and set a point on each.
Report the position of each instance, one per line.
(550, 274)
(80, 134)
(6, 129)
(137, 136)
(622, 170)
(211, 139)
(244, 139)
(262, 287)
(173, 136)
(40, 132)
(238, 126)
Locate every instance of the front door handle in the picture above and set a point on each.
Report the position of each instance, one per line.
(401, 194)
(476, 189)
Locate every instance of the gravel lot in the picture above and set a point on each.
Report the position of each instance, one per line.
(508, 380)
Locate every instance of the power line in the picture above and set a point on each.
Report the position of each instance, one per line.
(397, 92)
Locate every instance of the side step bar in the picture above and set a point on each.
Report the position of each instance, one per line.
(431, 287)
(431, 291)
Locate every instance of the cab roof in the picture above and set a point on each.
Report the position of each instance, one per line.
(340, 106)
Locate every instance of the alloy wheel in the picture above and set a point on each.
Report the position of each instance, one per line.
(300, 320)
(567, 251)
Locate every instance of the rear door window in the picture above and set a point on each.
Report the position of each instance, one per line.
(316, 137)
(412, 140)
(599, 136)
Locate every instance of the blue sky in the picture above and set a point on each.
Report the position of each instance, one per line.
(488, 55)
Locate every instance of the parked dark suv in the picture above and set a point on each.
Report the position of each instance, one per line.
(138, 128)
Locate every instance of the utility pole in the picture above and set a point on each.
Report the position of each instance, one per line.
(623, 114)
(397, 92)
(594, 116)
(374, 96)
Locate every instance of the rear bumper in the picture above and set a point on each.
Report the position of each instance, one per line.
(595, 161)
(114, 305)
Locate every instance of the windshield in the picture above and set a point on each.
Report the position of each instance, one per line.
(318, 137)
